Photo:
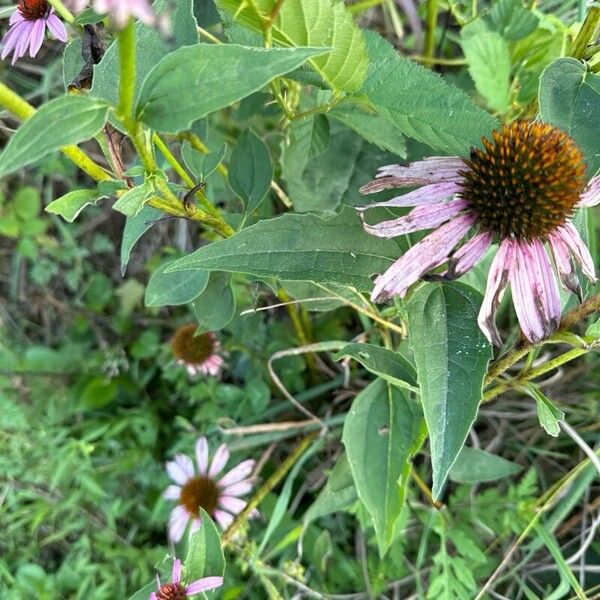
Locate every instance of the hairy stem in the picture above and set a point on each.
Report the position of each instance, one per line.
(586, 33)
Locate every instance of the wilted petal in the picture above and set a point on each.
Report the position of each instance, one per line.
(238, 473)
(427, 254)
(427, 194)
(496, 285)
(202, 455)
(591, 194)
(219, 460)
(422, 217)
(469, 254)
(203, 585)
(535, 292)
(564, 264)
(431, 170)
(570, 236)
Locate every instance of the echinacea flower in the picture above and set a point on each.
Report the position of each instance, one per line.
(198, 353)
(27, 29)
(521, 191)
(121, 11)
(175, 590)
(218, 497)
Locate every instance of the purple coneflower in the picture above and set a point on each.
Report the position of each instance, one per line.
(218, 497)
(27, 28)
(521, 191)
(175, 590)
(199, 354)
(121, 11)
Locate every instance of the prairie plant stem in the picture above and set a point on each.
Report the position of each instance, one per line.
(586, 33)
(432, 16)
(63, 11)
(127, 61)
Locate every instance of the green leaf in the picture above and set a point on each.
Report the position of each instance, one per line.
(300, 248)
(194, 81)
(26, 203)
(313, 23)
(570, 99)
(132, 201)
(250, 170)
(205, 556)
(451, 354)
(215, 306)
(488, 60)
(70, 205)
(370, 125)
(383, 430)
(135, 227)
(311, 136)
(338, 493)
(144, 593)
(511, 19)
(202, 165)
(474, 466)
(60, 122)
(549, 415)
(385, 363)
(174, 289)
(420, 103)
(98, 393)
(73, 61)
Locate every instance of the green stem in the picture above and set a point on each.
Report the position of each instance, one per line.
(127, 64)
(267, 486)
(432, 16)
(586, 34)
(63, 11)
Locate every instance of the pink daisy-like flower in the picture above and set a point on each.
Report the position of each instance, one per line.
(218, 497)
(199, 354)
(28, 27)
(521, 191)
(121, 11)
(175, 590)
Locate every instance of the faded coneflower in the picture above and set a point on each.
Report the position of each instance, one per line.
(198, 353)
(175, 590)
(121, 11)
(521, 191)
(27, 29)
(218, 497)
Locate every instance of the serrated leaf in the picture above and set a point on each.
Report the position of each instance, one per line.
(420, 103)
(451, 354)
(383, 430)
(70, 205)
(385, 363)
(313, 23)
(215, 306)
(250, 170)
(61, 122)
(174, 289)
(570, 99)
(474, 466)
(300, 248)
(488, 61)
(511, 19)
(194, 81)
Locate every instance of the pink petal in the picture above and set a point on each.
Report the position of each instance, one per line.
(203, 585)
(23, 42)
(422, 217)
(427, 254)
(564, 265)
(469, 254)
(496, 285)
(172, 492)
(219, 460)
(535, 292)
(238, 489)
(222, 518)
(177, 523)
(232, 504)
(570, 236)
(15, 18)
(10, 40)
(202, 455)
(196, 524)
(430, 170)
(191, 371)
(186, 464)
(57, 27)
(176, 577)
(37, 37)
(153, 596)
(238, 473)
(176, 473)
(591, 194)
(427, 194)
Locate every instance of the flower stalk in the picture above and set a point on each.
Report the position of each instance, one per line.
(63, 11)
